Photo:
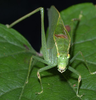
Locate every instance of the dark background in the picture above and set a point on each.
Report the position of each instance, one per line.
(10, 10)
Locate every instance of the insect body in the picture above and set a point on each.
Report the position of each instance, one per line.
(58, 40)
(62, 43)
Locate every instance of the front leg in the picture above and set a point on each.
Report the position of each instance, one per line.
(39, 77)
(79, 80)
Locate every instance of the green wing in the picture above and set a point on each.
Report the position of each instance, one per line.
(58, 40)
(53, 18)
(61, 38)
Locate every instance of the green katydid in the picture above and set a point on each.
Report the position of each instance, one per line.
(56, 49)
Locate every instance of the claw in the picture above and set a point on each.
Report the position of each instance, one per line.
(39, 92)
(79, 95)
(93, 72)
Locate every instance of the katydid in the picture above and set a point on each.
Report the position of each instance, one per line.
(55, 50)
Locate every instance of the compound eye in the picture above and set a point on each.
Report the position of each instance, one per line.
(68, 55)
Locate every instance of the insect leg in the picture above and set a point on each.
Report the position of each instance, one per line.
(73, 30)
(39, 71)
(39, 77)
(80, 53)
(44, 46)
(79, 79)
(30, 64)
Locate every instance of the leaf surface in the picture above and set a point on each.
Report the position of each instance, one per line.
(16, 52)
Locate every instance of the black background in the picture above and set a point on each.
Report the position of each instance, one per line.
(10, 10)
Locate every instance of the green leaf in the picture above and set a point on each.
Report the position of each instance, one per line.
(16, 52)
